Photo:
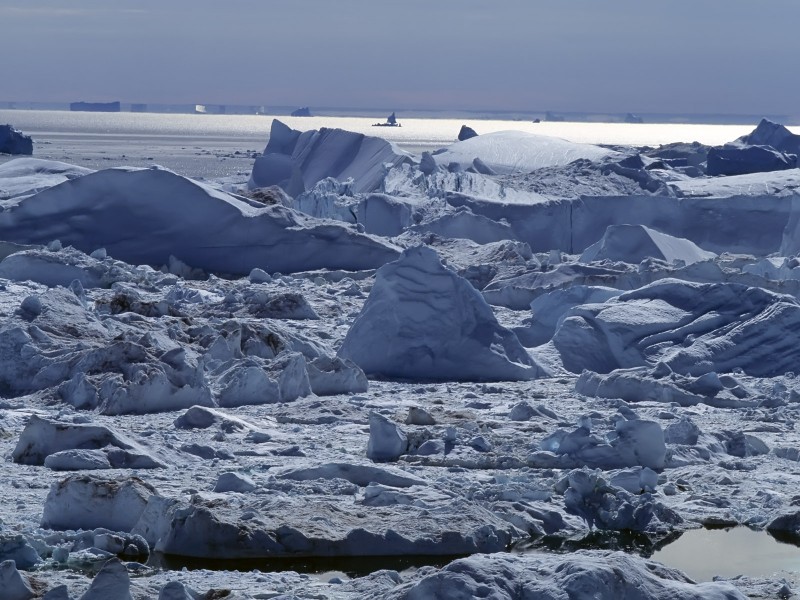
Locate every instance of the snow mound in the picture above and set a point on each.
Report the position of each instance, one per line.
(203, 227)
(422, 321)
(297, 161)
(584, 574)
(633, 243)
(360, 475)
(25, 176)
(516, 151)
(694, 328)
(13, 141)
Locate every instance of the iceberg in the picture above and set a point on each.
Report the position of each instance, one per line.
(118, 209)
(422, 321)
(296, 160)
(517, 152)
(13, 141)
(634, 243)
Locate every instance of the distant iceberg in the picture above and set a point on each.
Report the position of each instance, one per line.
(296, 160)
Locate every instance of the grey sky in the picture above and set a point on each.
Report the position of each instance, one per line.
(700, 56)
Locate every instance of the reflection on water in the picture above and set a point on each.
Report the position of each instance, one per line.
(700, 553)
(631, 542)
(321, 567)
(704, 553)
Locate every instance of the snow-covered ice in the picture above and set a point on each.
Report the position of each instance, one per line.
(468, 357)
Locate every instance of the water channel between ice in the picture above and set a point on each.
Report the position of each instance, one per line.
(702, 554)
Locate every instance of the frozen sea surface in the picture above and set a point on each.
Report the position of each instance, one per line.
(640, 390)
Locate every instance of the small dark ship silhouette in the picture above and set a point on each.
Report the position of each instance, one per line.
(391, 121)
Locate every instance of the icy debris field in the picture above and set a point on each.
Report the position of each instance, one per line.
(514, 368)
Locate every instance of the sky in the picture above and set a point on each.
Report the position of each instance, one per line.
(603, 56)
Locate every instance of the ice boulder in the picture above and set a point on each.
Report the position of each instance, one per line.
(517, 152)
(634, 243)
(297, 161)
(334, 375)
(74, 460)
(112, 581)
(15, 547)
(234, 482)
(204, 228)
(88, 502)
(13, 141)
(256, 381)
(387, 441)
(12, 585)
(422, 321)
(175, 590)
(25, 176)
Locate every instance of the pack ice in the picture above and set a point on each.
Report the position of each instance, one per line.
(359, 355)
